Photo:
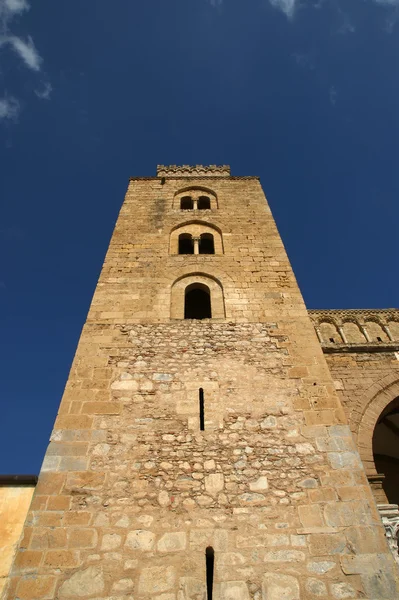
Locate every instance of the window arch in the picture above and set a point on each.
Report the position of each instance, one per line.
(195, 198)
(197, 296)
(203, 237)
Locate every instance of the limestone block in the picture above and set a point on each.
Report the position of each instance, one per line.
(209, 465)
(157, 579)
(320, 566)
(191, 588)
(140, 539)
(316, 587)
(163, 498)
(231, 558)
(259, 484)
(111, 541)
(214, 483)
(234, 590)
(284, 556)
(276, 586)
(128, 385)
(123, 585)
(343, 591)
(172, 542)
(83, 584)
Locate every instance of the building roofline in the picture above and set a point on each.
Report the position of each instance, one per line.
(18, 480)
(205, 177)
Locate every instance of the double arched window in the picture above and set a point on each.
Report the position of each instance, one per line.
(196, 203)
(195, 198)
(203, 244)
(196, 237)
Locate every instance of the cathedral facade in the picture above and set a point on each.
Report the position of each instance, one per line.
(216, 439)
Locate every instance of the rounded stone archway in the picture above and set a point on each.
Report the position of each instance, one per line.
(377, 437)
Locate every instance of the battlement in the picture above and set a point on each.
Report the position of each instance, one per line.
(341, 330)
(193, 171)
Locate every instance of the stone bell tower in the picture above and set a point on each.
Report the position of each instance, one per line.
(200, 449)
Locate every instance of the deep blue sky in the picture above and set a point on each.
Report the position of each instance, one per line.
(306, 98)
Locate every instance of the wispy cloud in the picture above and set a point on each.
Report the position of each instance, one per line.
(26, 50)
(45, 92)
(9, 108)
(286, 6)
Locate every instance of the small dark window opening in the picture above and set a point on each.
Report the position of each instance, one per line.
(186, 245)
(332, 340)
(197, 302)
(201, 409)
(206, 244)
(210, 563)
(186, 203)
(204, 203)
(379, 339)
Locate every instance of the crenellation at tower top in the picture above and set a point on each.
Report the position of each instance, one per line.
(193, 170)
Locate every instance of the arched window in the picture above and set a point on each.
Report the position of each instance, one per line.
(186, 245)
(197, 301)
(204, 203)
(186, 203)
(206, 244)
(197, 296)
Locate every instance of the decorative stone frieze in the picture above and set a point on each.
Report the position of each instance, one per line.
(390, 518)
(193, 171)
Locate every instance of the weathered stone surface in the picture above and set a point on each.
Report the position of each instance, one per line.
(259, 484)
(191, 588)
(276, 586)
(316, 587)
(140, 539)
(234, 590)
(111, 541)
(156, 579)
(172, 542)
(83, 584)
(342, 591)
(214, 483)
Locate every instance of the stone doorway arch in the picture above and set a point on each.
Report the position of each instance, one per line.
(382, 399)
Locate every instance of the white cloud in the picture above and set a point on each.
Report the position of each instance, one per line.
(26, 51)
(9, 108)
(45, 92)
(287, 6)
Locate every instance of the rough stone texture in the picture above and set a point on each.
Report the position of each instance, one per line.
(14, 504)
(133, 492)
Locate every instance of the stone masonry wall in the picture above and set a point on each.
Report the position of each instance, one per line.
(132, 492)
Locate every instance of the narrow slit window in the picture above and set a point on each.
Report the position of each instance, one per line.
(379, 339)
(332, 340)
(210, 563)
(201, 409)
